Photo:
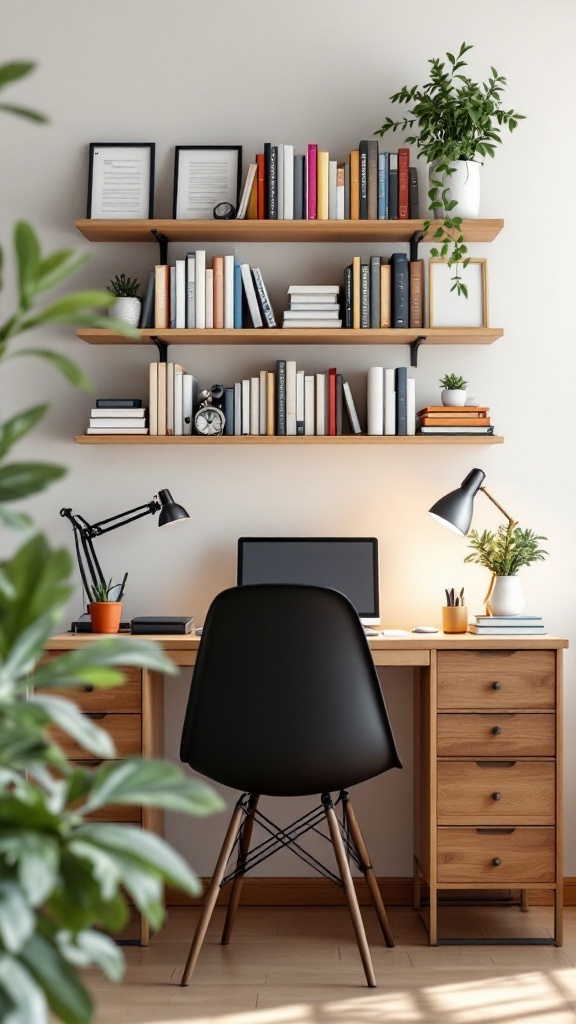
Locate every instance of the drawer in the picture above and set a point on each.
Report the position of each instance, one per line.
(496, 792)
(496, 679)
(512, 856)
(127, 697)
(495, 735)
(125, 730)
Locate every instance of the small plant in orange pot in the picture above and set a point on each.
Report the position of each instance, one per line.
(106, 606)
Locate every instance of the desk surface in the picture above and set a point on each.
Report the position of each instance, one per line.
(414, 649)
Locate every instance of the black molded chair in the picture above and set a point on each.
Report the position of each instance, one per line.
(285, 701)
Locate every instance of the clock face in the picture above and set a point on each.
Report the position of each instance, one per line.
(209, 421)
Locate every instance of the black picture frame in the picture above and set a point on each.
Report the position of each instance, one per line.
(128, 199)
(193, 198)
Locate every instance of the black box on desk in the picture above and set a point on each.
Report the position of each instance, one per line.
(147, 624)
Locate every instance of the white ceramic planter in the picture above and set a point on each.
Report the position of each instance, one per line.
(507, 597)
(453, 397)
(127, 309)
(464, 186)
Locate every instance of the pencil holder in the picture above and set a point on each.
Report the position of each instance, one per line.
(454, 620)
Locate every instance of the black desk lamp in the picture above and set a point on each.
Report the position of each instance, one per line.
(455, 509)
(84, 534)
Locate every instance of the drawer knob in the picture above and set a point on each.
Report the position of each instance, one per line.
(496, 686)
(496, 796)
(496, 862)
(496, 730)
(88, 689)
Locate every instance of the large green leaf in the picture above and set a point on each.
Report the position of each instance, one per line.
(38, 575)
(55, 268)
(14, 70)
(80, 727)
(145, 847)
(91, 947)
(16, 427)
(36, 855)
(24, 996)
(79, 903)
(20, 479)
(67, 996)
(17, 920)
(89, 665)
(152, 783)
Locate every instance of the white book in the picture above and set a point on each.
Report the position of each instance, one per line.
(288, 182)
(122, 411)
(250, 293)
(209, 274)
(332, 173)
(200, 290)
(238, 407)
(306, 288)
(311, 314)
(375, 400)
(245, 420)
(117, 430)
(351, 408)
(172, 303)
(317, 307)
(410, 405)
(309, 409)
(321, 404)
(280, 181)
(299, 401)
(243, 206)
(180, 318)
(189, 402)
(263, 400)
(389, 401)
(313, 298)
(169, 398)
(307, 322)
(291, 396)
(117, 421)
(255, 405)
(265, 304)
(191, 290)
(340, 202)
(179, 372)
(229, 292)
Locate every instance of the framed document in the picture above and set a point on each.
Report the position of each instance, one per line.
(204, 177)
(446, 307)
(121, 180)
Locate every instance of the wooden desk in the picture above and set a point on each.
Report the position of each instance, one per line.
(488, 755)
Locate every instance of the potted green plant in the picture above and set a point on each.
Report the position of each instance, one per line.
(454, 389)
(128, 304)
(504, 553)
(106, 606)
(458, 124)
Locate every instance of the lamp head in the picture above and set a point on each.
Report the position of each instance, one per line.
(455, 509)
(170, 512)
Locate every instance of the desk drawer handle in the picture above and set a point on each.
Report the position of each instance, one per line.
(89, 762)
(495, 831)
(88, 689)
(496, 796)
(496, 686)
(496, 862)
(495, 764)
(496, 730)
(97, 715)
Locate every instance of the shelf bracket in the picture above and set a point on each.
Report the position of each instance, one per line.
(415, 239)
(163, 244)
(162, 347)
(414, 346)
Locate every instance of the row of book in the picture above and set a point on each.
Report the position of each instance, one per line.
(454, 419)
(382, 292)
(373, 184)
(507, 625)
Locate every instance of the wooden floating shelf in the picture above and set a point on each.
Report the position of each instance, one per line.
(301, 336)
(276, 230)
(354, 439)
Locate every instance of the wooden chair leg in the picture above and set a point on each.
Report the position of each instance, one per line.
(367, 870)
(351, 897)
(244, 846)
(212, 893)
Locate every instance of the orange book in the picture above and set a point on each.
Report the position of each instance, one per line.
(454, 421)
(403, 184)
(322, 183)
(218, 268)
(252, 208)
(270, 403)
(355, 185)
(261, 186)
(162, 296)
(455, 410)
(385, 295)
(416, 308)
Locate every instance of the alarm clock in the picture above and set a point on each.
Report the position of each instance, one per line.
(209, 418)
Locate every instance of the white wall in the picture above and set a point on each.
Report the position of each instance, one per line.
(245, 72)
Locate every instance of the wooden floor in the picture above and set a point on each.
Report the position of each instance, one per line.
(301, 966)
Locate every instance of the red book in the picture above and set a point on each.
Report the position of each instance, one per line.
(312, 180)
(403, 183)
(260, 186)
(332, 402)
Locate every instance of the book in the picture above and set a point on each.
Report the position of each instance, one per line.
(354, 185)
(118, 403)
(321, 404)
(320, 289)
(307, 322)
(374, 291)
(372, 182)
(351, 408)
(172, 300)
(189, 402)
(229, 410)
(218, 291)
(385, 293)
(209, 298)
(383, 171)
(465, 431)
(416, 287)
(237, 408)
(299, 186)
(311, 185)
(332, 186)
(272, 184)
(117, 430)
(147, 316)
(304, 310)
(410, 406)
(356, 292)
(401, 395)
(340, 202)
(364, 294)
(322, 183)
(506, 630)
(246, 191)
(363, 178)
(331, 424)
(453, 421)
(413, 193)
(471, 411)
(200, 288)
(180, 307)
(228, 292)
(389, 401)
(265, 304)
(291, 397)
(403, 183)
(348, 296)
(261, 186)
(288, 179)
(309, 405)
(238, 320)
(250, 292)
(509, 620)
(300, 384)
(280, 181)
(254, 405)
(263, 375)
(281, 397)
(245, 408)
(400, 284)
(117, 421)
(170, 398)
(306, 305)
(191, 290)
(179, 372)
(161, 400)
(252, 209)
(375, 400)
(153, 398)
(393, 186)
(339, 404)
(270, 403)
(125, 412)
(161, 296)
(267, 173)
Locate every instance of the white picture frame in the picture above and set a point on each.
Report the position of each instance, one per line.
(121, 181)
(446, 308)
(204, 177)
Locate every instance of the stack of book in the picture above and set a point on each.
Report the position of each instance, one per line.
(507, 625)
(454, 419)
(118, 416)
(313, 305)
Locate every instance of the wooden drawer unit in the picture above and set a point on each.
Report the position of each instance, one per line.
(496, 735)
(125, 731)
(496, 679)
(496, 856)
(496, 792)
(119, 699)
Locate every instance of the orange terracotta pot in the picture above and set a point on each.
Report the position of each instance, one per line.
(105, 616)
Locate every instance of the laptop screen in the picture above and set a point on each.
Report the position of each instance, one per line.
(348, 564)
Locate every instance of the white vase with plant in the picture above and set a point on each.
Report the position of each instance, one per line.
(458, 124)
(454, 389)
(128, 304)
(504, 553)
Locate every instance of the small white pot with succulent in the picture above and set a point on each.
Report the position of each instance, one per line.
(128, 305)
(454, 389)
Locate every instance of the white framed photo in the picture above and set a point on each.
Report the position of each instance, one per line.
(206, 177)
(121, 181)
(446, 308)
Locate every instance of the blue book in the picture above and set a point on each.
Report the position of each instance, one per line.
(383, 172)
(229, 410)
(401, 375)
(393, 187)
(400, 289)
(237, 302)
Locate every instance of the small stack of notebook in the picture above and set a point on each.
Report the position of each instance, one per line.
(507, 625)
(454, 419)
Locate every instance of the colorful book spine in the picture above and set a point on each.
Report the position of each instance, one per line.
(403, 183)
(312, 168)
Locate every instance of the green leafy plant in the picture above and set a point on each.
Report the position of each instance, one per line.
(507, 550)
(455, 119)
(101, 591)
(452, 382)
(124, 287)
(65, 880)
